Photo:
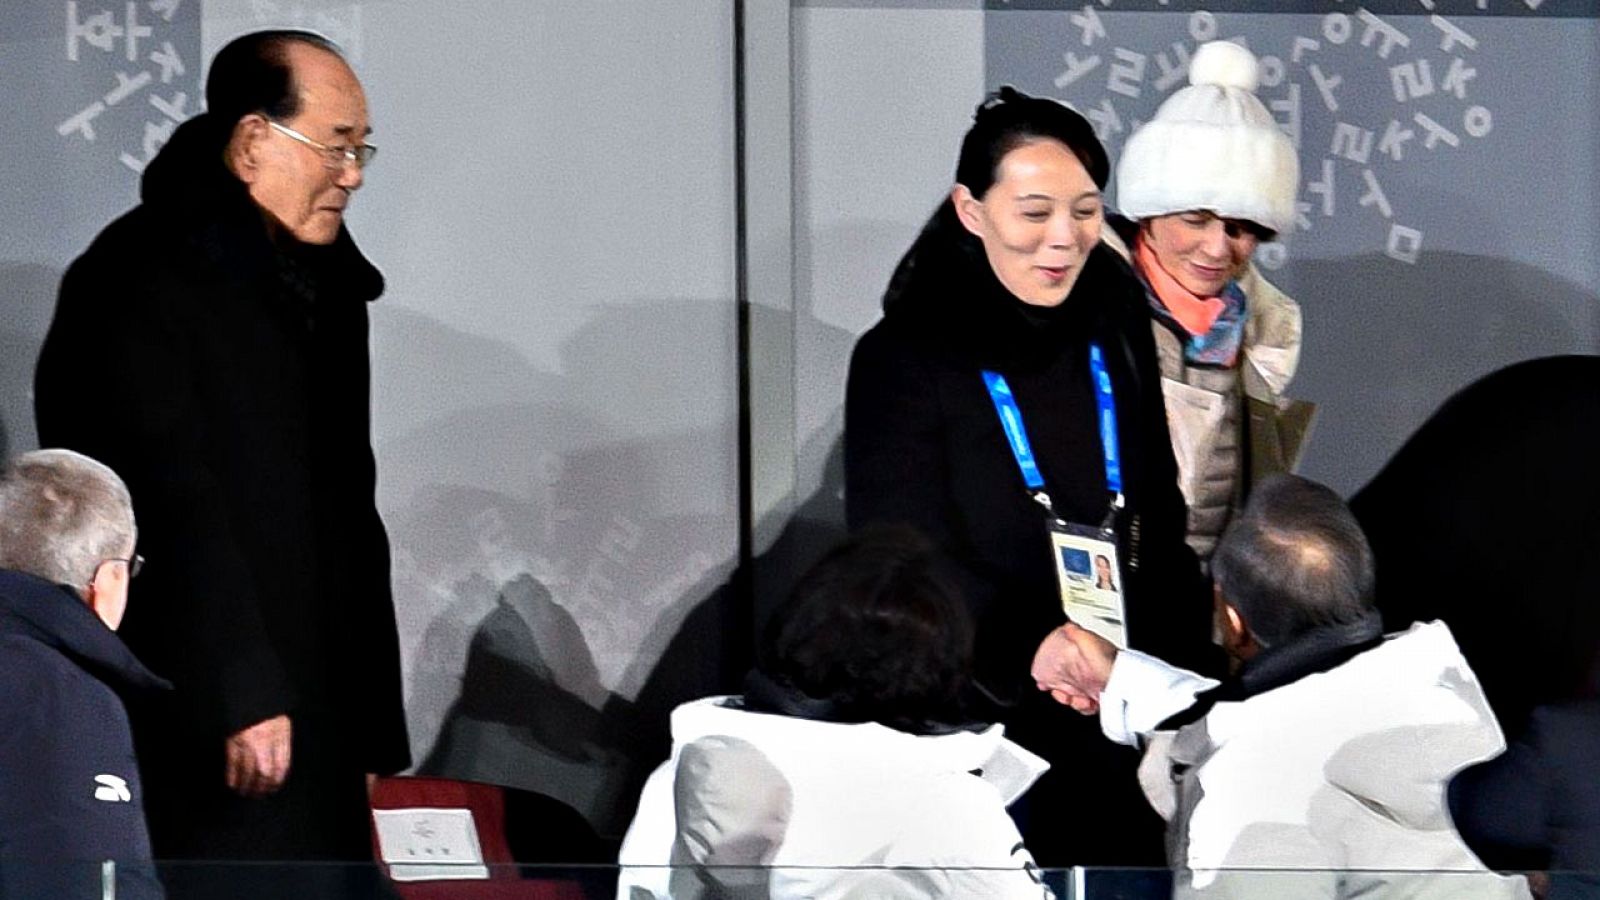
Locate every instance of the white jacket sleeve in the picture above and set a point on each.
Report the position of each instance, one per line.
(644, 861)
(1143, 692)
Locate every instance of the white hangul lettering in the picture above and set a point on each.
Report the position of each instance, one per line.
(99, 30)
(1289, 106)
(1325, 86)
(1324, 188)
(1478, 122)
(1172, 72)
(1336, 27)
(1302, 215)
(1405, 244)
(169, 61)
(82, 121)
(1453, 35)
(1456, 78)
(173, 109)
(1411, 80)
(1301, 45)
(1352, 143)
(167, 8)
(1271, 256)
(1127, 73)
(135, 31)
(1089, 23)
(1394, 140)
(155, 135)
(1387, 35)
(1105, 120)
(1436, 133)
(1375, 195)
(1427, 4)
(126, 86)
(1534, 4)
(1076, 68)
(1272, 71)
(1202, 26)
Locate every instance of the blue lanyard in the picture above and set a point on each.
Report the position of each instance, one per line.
(1106, 401)
(1005, 405)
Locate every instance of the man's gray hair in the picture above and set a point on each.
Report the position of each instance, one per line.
(62, 514)
(1294, 559)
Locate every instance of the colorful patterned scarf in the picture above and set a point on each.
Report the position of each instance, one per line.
(1214, 325)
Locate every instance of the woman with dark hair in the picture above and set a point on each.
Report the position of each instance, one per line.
(1010, 391)
(848, 768)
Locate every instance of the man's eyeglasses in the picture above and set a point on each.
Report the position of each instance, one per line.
(134, 563)
(332, 157)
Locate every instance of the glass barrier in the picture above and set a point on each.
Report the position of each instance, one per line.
(439, 881)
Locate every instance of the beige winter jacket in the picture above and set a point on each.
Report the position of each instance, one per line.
(1225, 419)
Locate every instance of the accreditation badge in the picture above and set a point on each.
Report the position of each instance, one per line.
(1091, 580)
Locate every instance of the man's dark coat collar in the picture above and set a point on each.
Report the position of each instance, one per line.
(189, 183)
(58, 618)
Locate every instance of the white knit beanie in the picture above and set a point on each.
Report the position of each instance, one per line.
(1212, 146)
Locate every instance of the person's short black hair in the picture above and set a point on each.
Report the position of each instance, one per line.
(1008, 119)
(252, 75)
(1005, 120)
(878, 631)
(1294, 559)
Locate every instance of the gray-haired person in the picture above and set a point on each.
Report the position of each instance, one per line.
(1326, 753)
(70, 798)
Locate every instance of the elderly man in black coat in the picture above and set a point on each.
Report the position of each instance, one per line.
(211, 347)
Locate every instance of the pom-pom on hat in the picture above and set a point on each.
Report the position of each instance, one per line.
(1212, 146)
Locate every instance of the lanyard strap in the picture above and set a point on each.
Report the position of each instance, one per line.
(1011, 420)
(1005, 405)
(1106, 401)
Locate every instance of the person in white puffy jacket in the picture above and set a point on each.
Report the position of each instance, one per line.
(847, 768)
(1324, 758)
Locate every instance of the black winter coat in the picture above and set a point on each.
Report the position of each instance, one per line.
(1538, 804)
(226, 380)
(70, 794)
(925, 447)
(1489, 519)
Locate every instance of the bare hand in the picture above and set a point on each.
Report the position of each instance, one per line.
(1074, 665)
(258, 757)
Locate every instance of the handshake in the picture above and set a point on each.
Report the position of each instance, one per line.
(1073, 665)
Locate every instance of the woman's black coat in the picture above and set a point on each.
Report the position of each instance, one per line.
(924, 446)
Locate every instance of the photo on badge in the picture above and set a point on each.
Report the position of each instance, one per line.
(1090, 581)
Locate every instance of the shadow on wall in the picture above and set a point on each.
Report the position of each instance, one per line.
(561, 583)
(28, 296)
(546, 552)
(1386, 343)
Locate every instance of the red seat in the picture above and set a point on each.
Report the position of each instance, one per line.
(487, 804)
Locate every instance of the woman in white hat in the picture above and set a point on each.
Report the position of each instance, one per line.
(1202, 185)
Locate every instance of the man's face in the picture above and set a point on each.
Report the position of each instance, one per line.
(293, 183)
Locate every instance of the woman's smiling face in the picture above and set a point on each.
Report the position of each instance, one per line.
(1038, 221)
